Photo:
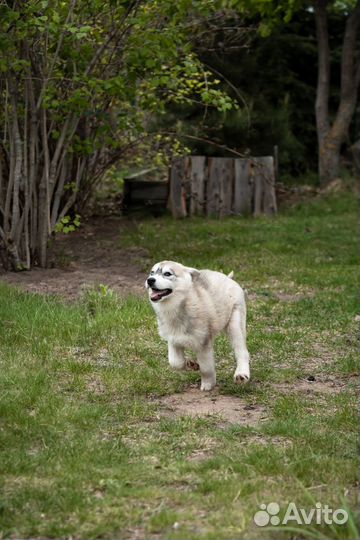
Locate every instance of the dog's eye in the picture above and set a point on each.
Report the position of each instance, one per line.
(167, 274)
(152, 273)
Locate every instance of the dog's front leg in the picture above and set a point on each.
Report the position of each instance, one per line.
(205, 358)
(176, 357)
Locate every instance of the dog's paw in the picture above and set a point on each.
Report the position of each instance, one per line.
(191, 365)
(241, 377)
(207, 386)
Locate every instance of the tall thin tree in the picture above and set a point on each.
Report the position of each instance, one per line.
(332, 132)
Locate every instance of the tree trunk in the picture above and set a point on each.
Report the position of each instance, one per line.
(329, 160)
(332, 136)
(356, 155)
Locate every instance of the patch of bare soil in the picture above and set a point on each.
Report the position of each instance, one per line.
(87, 257)
(321, 384)
(231, 409)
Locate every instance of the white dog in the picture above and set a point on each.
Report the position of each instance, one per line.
(192, 307)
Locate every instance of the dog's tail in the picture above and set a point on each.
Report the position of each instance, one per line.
(231, 275)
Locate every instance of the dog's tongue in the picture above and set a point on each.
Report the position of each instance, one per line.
(155, 295)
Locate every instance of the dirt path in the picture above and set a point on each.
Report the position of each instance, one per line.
(87, 257)
(229, 409)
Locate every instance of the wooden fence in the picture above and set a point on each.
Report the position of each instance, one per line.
(218, 187)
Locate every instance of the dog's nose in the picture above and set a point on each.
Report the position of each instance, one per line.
(151, 281)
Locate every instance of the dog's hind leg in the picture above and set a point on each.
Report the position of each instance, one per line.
(176, 357)
(236, 330)
(205, 358)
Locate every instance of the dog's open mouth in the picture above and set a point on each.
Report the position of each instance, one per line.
(157, 294)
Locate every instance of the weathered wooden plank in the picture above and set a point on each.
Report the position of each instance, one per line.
(255, 168)
(197, 179)
(213, 188)
(219, 187)
(243, 187)
(185, 181)
(226, 187)
(264, 185)
(270, 204)
(177, 196)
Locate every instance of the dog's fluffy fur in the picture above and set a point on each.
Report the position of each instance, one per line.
(192, 307)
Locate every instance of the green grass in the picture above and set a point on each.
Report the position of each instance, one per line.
(84, 450)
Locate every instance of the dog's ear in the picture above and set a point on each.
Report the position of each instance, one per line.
(193, 272)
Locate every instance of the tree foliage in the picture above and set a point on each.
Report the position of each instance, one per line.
(273, 79)
(84, 82)
(273, 75)
(78, 81)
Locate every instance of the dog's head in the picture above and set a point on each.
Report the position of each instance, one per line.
(168, 278)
